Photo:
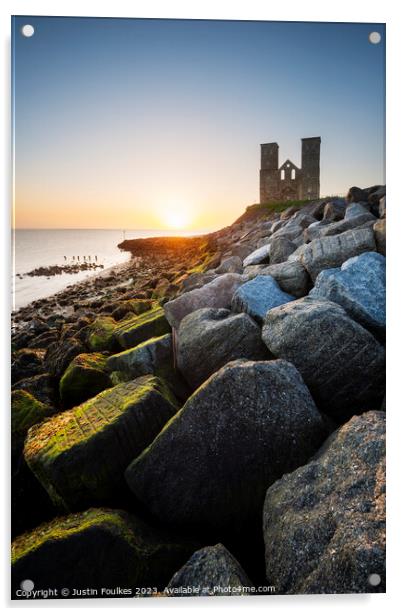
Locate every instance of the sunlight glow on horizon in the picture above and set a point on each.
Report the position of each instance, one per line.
(157, 124)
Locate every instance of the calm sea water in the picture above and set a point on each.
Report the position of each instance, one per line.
(44, 247)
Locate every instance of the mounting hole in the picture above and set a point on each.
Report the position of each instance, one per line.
(375, 38)
(27, 585)
(374, 579)
(27, 30)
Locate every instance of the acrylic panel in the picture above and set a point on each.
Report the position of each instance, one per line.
(198, 325)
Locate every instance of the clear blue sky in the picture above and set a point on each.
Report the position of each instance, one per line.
(119, 122)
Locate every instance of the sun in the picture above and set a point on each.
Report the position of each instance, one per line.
(176, 217)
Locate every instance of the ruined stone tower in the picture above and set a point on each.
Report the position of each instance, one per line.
(288, 181)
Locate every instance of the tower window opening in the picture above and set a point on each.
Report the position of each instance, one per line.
(282, 174)
(293, 174)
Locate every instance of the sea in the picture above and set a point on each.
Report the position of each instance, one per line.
(33, 248)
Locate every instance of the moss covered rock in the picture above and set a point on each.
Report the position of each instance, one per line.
(100, 334)
(26, 411)
(95, 549)
(85, 377)
(154, 356)
(135, 330)
(80, 455)
(136, 306)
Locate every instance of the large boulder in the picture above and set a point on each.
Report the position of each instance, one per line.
(281, 249)
(211, 337)
(261, 255)
(291, 276)
(216, 294)
(356, 209)
(96, 549)
(154, 356)
(134, 330)
(42, 386)
(26, 411)
(211, 571)
(27, 363)
(359, 287)
(231, 265)
(324, 524)
(85, 377)
(80, 455)
(209, 469)
(353, 222)
(100, 334)
(332, 251)
(259, 295)
(334, 210)
(380, 236)
(340, 361)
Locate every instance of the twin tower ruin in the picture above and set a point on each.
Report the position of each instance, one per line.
(288, 182)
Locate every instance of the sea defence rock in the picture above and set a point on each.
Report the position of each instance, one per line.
(281, 248)
(231, 265)
(324, 524)
(26, 411)
(85, 377)
(95, 549)
(134, 330)
(216, 294)
(341, 363)
(332, 251)
(211, 337)
(380, 235)
(80, 455)
(355, 209)
(136, 306)
(347, 224)
(41, 386)
(258, 296)
(334, 210)
(154, 356)
(261, 255)
(209, 469)
(210, 571)
(26, 363)
(359, 287)
(100, 334)
(291, 277)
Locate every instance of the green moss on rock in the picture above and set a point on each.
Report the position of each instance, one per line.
(26, 411)
(133, 331)
(97, 548)
(85, 377)
(100, 334)
(80, 455)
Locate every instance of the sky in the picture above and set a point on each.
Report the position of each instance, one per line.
(154, 124)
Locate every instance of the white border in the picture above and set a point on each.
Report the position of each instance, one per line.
(289, 10)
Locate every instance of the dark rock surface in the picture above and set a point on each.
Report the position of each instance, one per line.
(211, 337)
(59, 356)
(154, 356)
(80, 455)
(250, 423)
(231, 265)
(359, 287)
(324, 524)
(211, 571)
(258, 296)
(341, 362)
(98, 548)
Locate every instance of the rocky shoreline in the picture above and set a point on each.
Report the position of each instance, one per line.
(210, 414)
